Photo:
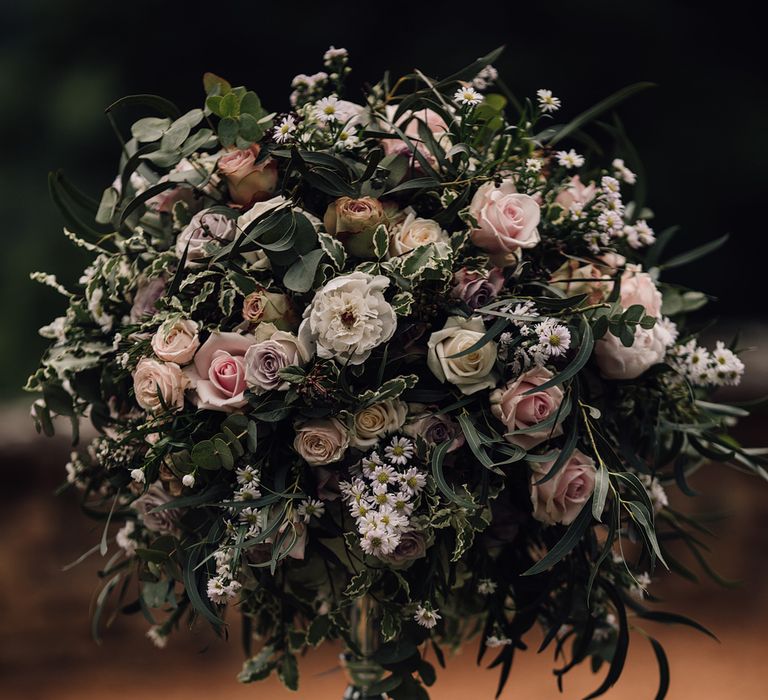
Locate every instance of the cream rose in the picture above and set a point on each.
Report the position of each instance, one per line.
(247, 180)
(638, 287)
(561, 499)
(471, 372)
(520, 411)
(159, 385)
(218, 372)
(413, 232)
(506, 221)
(353, 222)
(264, 360)
(321, 440)
(176, 341)
(375, 421)
(616, 361)
(349, 317)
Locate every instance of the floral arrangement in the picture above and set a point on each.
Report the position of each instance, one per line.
(408, 350)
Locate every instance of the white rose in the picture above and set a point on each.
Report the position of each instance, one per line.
(375, 421)
(349, 317)
(413, 232)
(471, 372)
(176, 341)
(157, 385)
(619, 362)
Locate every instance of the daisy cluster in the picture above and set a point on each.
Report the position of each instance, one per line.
(702, 367)
(383, 497)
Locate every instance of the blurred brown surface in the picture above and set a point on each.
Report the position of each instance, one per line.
(46, 651)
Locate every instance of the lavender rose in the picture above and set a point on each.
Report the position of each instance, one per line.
(476, 288)
(206, 229)
(521, 411)
(560, 499)
(163, 522)
(412, 546)
(434, 428)
(147, 294)
(264, 360)
(159, 385)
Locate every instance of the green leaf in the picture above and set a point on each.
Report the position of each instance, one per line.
(223, 453)
(580, 359)
(669, 618)
(155, 102)
(334, 249)
(205, 455)
(227, 131)
(569, 540)
(594, 112)
(417, 183)
(695, 254)
(319, 630)
(661, 660)
(438, 455)
(402, 303)
(496, 329)
(360, 584)
(380, 241)
(150, 129)
(214, 84)
(300, 276)
(642, 518)
(288, 672)
(602, 484)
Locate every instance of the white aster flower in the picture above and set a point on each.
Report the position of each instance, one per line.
(547, 101)
(360, 509)
(389, 518)
(247, 475)
(623, 172)
(569, 159)
(493, 642)
(285, 129)
(252, 517)
(413, 481)
(485, 78)
(610, 185)
(311, 508)
(347, 138)
(611, 221)
(383, 474)
(375, 541)
(383, 497)
(486, 586)
(554, 339)
(534, 164)
(645, 234)
(399, 450)
(327, 109)
(427, 616)
(468, 96)
(158, 636)
(248, 492)
(401, 502)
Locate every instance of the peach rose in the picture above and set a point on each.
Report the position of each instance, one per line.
(218, 372)
(176, 341)
(561, 499)
(521, 411)
(248, 181)
(353, 222)
(575, 278)
(159, 385)
(321, 440)
(263, 306)
(638, 287)
(506, 221)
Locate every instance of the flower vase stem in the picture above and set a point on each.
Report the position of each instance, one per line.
(362, 670)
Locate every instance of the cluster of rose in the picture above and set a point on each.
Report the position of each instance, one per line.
(404, 349)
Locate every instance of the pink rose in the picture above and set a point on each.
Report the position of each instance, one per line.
(176, 342)
(159, 385)
(247, 180)
(506, 221)
(410, 120)
(477, 288)
(638, 287)
(218, 372)
(561, 499)
(616, 361)
(576, 193)
(519, 411)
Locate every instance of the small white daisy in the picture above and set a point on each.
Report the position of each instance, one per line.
(311, 508)
(413, 480)
(534, 164)
(623, 172)
(554, 339)
(327, 109)
(399, 451)
(486, 586)
(285, 129)
(426, 616)
(384, 474)
(569, 159)
(547, 101)
(468, 96)
(493, 642)
(247, 475)
(347, 138)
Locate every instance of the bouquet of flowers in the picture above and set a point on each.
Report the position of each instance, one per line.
(405, 361)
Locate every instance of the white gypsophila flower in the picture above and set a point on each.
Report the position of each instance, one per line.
(554, 338)
(656, 492)
(569, 159)
(534, 164)
(427, 616)
(639, 588)
(326, 109)
(138, 476)
(399, 450)
(348, 318)
(623, 172)
(220, 590)
(158, 636)
(486, 586)
(188, 480)
(311, 508)
(124, 540)
(468, 96)
(485, 78)
(494, 641)
(547, 101)
(347, 138)
(285, 130)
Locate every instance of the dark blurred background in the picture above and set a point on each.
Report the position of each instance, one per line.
(703, 139)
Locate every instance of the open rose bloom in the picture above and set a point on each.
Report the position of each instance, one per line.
(400, 356)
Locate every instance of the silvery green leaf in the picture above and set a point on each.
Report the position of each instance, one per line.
(150, 129)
